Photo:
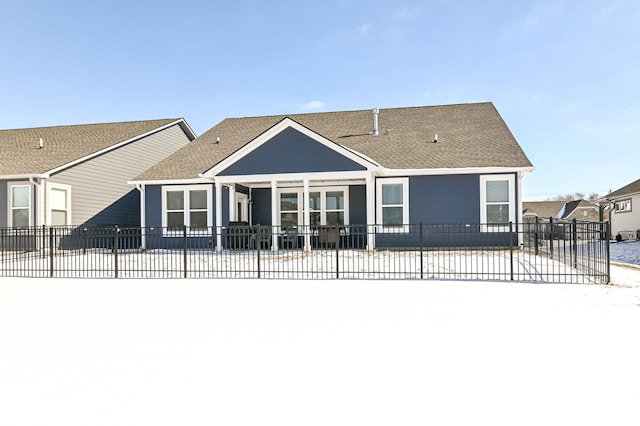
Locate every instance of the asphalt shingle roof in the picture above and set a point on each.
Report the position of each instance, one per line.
(20, 153)
(543, 208)
(632, 188)
(469, 135)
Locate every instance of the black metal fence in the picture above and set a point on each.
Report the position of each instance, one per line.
(541, 251)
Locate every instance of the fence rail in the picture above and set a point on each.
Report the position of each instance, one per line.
(544, 250)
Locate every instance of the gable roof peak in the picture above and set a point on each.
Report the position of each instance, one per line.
(470, 136)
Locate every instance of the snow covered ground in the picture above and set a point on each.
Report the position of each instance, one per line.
(625, 252)
(256, 352)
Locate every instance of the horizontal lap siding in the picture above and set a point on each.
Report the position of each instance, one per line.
(291, 152)
(358, 205)
(261, 206)
(153, 218)
(3, 204)
(627, 221)
(100, 194)
(444, 199)
(449, 208)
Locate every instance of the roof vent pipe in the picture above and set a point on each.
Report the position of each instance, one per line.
(375, 122)
(41, 144)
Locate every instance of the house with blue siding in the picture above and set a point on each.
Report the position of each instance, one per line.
(77, 175)
(383, 169)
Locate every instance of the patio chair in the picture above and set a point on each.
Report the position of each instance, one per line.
(290, 237)
(328, 236)
(263, 233)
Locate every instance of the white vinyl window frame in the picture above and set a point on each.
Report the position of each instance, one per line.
(511, 202)
(623, 206)
(11, 207)
(380, 205)
(51, 189)
(186, 189)
(323, 203)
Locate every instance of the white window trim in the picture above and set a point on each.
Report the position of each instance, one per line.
(405, 204)
(323, 206)
(67, 188)
(623, 206)
(185, 189)
(483, 202)
(243, 199)
(10, 186)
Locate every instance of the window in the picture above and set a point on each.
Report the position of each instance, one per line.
(393, 204)
(327, 206)
(289, 209)
(59, 204)
(186, 206)
(623, 206)
(497, 201)
(19, 205)
(315, 208)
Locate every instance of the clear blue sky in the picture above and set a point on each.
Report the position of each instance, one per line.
(565, 75)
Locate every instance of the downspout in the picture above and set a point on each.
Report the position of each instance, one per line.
(371, 210)
(40, 208)
(519, 177)
(143, 219)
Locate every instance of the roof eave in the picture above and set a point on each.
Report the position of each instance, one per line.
(455, 171)
(181, 122)
(169, 181)
(25, 176)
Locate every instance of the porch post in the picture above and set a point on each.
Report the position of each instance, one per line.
(218, 225)
(371, 211)
(143, 219)
(307, 217)
(232, 204)
(274, 214)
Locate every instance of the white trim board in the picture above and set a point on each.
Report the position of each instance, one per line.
(286, 123)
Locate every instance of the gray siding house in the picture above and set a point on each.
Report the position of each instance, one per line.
(451, 164)
(77, 175)
(581, 210)
(624, 213)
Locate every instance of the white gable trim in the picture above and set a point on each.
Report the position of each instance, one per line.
(285, 123)
(181, 122)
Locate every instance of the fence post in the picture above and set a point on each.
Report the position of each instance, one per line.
(511, 248)
(551, 232)
(607, 252)
(51, 241)
(43, 243)
(574, 230)
(536, 234)
(421, 253)
(338, 254)
(258, 242)
(116, 242)
(184, 251)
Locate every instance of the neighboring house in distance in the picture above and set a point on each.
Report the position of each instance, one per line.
(542, 209)
(561, 210)
(625, 210)
(451, 164)
(77, 175)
